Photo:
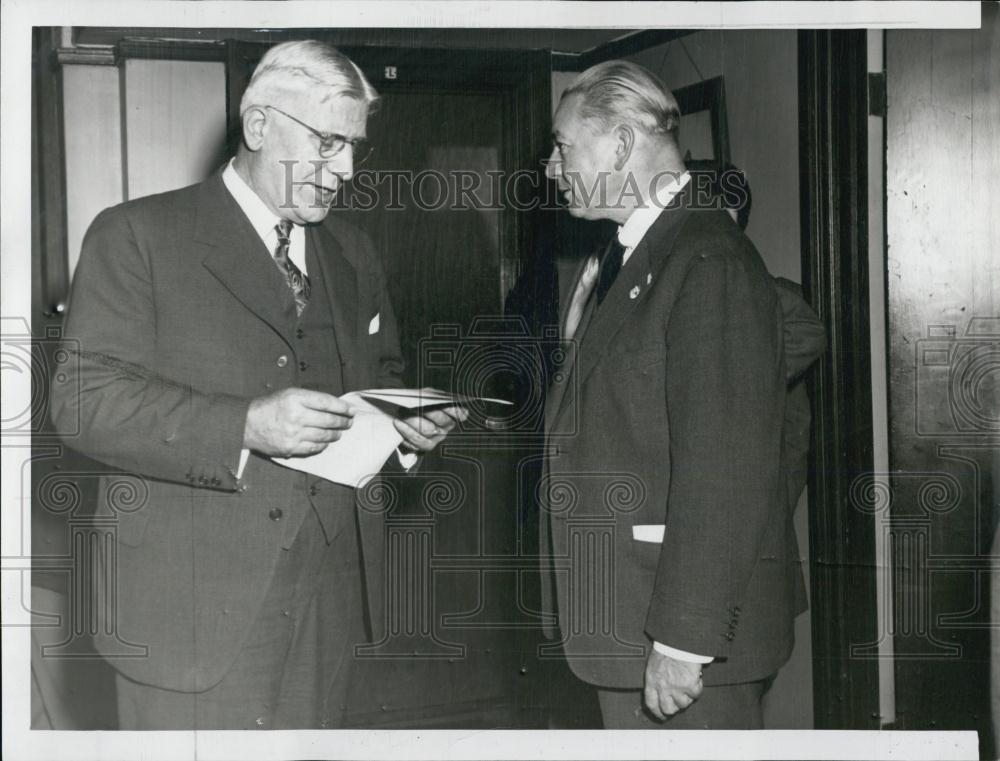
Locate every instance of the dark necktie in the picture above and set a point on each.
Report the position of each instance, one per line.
(297, 281)
(611, 265)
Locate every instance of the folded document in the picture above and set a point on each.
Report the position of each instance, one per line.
(362, 450)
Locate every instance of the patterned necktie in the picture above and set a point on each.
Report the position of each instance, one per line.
(297, 282)
(611, 265)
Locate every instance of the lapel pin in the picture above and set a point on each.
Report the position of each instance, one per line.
(649, 278)
(634, 293)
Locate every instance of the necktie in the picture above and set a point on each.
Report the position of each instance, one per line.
(584, 287)
(611, 265)
(298, 283)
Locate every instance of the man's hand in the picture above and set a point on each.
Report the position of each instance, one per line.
(422, 433)
(671, 685)
(295, 422)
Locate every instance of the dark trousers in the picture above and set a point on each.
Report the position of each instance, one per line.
(293, 669)
(729, 706)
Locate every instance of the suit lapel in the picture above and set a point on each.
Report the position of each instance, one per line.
(235, 254)
(632, 286)
(340, 278)
(567, 292)
(557, 391)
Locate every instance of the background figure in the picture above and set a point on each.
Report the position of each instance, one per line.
(218, 326)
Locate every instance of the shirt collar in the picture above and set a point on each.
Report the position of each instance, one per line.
(261, 218)
(642, 219)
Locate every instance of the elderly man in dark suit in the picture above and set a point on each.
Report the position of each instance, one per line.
(218, 326)
(672, 566)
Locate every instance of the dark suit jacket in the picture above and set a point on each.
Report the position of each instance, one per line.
(179, 316)
(669, 414)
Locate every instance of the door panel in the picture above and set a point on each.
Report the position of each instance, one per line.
(943, 300)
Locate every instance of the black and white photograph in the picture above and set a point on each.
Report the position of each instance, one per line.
(500, 379)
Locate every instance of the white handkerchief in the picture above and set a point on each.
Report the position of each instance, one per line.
(652, 532)
(373, 326)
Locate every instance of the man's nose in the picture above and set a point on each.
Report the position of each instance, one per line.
(342, 164)
(553, 167)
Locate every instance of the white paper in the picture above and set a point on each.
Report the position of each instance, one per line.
(359, 453)
(362, 450)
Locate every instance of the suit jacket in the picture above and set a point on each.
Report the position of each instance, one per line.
(668, 421)
(178, 318)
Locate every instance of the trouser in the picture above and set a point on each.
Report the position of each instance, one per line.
(728, 706)
(293, 670)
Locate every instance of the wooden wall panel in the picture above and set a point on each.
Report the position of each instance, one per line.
(92, 132)
(943, 158)
(175, 121)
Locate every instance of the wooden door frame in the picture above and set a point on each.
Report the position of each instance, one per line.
(833, 180)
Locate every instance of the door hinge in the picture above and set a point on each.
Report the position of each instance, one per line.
(876, 93)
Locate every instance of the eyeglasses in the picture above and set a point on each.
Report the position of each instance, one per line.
(330, 143)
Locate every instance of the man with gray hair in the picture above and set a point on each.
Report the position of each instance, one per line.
(218, 326)
(680, 573)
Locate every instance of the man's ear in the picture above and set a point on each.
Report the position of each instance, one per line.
(254, 127)
(624, 145)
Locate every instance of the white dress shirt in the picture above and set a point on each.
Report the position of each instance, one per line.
(629, 235)
(264, 222)
(639, 222)
(263, 219)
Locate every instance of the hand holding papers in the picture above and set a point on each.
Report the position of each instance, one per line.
(362, 450)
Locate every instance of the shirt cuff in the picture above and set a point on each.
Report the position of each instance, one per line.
(407, 459)
(244, 456)
(681, 655)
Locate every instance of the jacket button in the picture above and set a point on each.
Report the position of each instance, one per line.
(275, 514)
(303, 366)
(203, 480)
(313, 491)
(734, 622)
(300, 333)
(282, 360)
(730, 635)
(736, 611)
(216, 482)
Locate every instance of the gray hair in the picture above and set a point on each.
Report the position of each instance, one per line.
(299, 66)
(622, 91)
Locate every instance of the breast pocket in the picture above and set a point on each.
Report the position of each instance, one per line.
(639, 378)
(641, 358)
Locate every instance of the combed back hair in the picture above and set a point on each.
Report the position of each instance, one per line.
(621, 91)
(301, 66)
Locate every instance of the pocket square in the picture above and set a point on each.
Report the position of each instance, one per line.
(652, 532)
(373, 326)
